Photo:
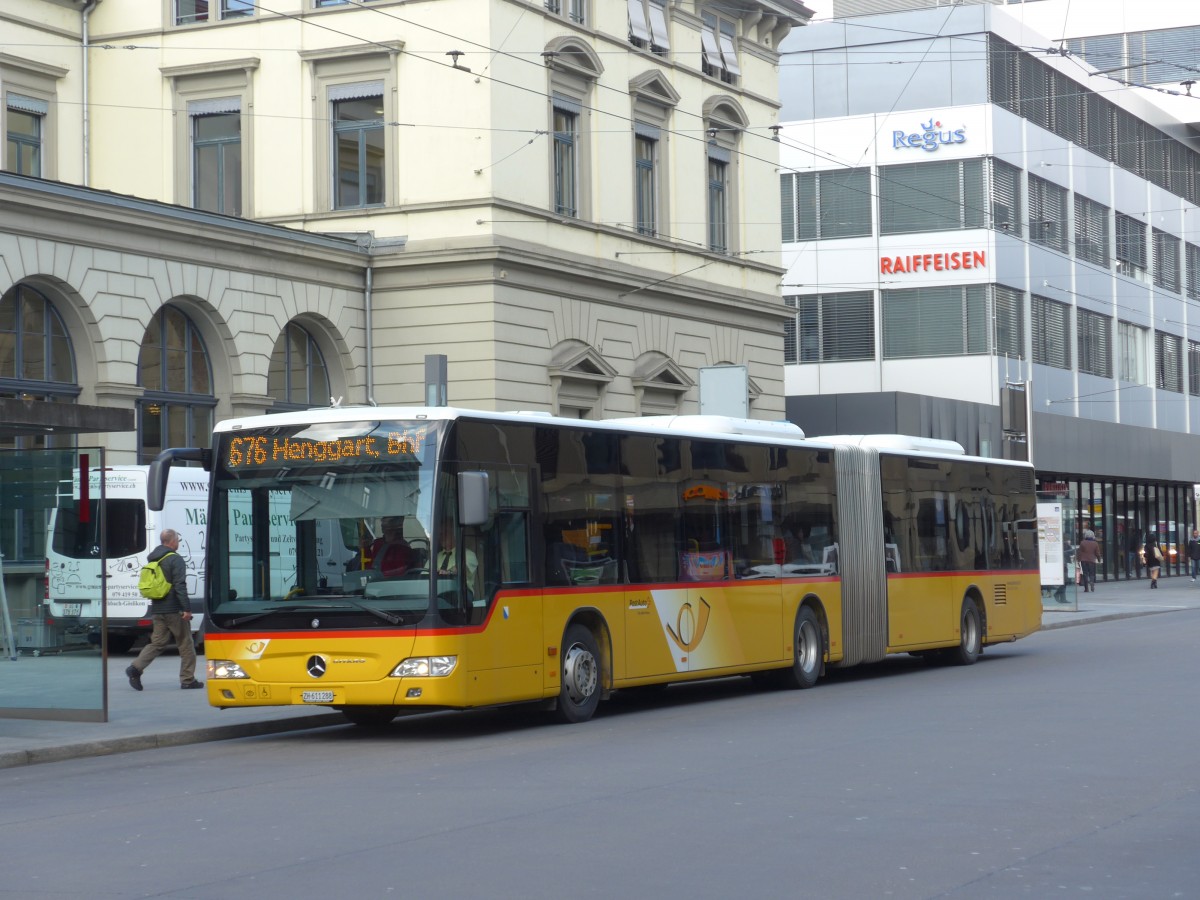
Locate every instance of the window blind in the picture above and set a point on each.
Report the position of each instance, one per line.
(845, 203)
(1094, 342)
(935, 321)
(355, 91)
(1091, 231)
(1131, 240)
(1006, 198)
(1168, 361)
(1051, 332)
(1193, 351)
(27, 104)
(1047, 214)
(1193, 272)
(932, 196)
(1010, 321)
(1166, 261)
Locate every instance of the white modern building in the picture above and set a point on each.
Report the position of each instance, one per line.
(988, 242)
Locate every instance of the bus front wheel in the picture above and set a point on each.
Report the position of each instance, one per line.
(809, 650)
(579, 694)
(970, 642)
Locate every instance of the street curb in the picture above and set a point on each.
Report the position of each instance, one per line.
(1111, 617)
(16, 758)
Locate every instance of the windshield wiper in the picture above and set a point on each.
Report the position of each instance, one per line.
(251, 617)
(242, 620)
(386, 616)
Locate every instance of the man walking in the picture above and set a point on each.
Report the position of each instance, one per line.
(170, 615)
(1193, 552)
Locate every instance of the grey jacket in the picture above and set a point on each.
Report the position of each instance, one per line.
(175, 568)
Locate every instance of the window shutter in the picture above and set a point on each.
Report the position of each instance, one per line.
(806, 207)
(1006, 198)
(848, 326)
(1166, 260)
(1168, 349)
(1131, 240)
(1010, 322)
(1193, 272)
(355, 91)
(1051, 332)
(845, 202)
(1091, 231)
(638, 27)
(787, 206)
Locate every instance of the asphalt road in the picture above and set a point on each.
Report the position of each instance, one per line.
(1063, 765)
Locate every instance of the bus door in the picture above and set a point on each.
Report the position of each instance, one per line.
(922, 604)
(505, 626)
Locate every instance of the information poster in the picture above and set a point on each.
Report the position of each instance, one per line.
(1050, 543)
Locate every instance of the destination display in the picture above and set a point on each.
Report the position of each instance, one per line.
(271, 451)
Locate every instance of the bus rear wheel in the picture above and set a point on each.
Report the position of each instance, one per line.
(579, 694)
(970, 642)
(809, 650)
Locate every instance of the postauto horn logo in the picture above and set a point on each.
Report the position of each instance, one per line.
(931, 137)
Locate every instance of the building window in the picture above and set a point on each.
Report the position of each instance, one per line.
(575, 10)
(297, 377)
(217, 156)
(189, 12)
(718, 201)
(1166, 261)
(1010, 321)
(718, 56)
(1051, 332)
(1131, 353)
(26, 119)
(36, 357)
(1193, 272)
(648, 25)
(1168, 361)
(1006, 198)
(176, 409)
(1093, 342)
(359, 145)
(645, 178)
(1091, 231)
(932, 196)
(566, 157)
(820, 205)
(935, 321)
(1047, 214)
(830, 328)
(1194, 368)
(1131, 247)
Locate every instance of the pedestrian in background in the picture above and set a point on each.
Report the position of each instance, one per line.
(1154, 558)
(170, 616)
(1088, 554)
(1193, 552)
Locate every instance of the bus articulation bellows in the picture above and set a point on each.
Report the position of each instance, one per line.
(558, 560)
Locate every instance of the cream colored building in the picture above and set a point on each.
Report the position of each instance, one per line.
(573, 201)
(210, 208)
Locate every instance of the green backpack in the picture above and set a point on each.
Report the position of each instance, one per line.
(152, 582)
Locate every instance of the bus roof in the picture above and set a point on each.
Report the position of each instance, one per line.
(706, 426)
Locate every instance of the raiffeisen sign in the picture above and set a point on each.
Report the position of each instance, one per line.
(946, 261)
(931, 137)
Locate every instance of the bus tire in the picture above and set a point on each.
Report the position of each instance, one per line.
(369, 716)
(808, 650)
(579, 693)
(970, 642)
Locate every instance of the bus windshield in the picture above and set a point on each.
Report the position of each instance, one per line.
(332, 519)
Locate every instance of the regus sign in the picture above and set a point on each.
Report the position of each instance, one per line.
(930, 138)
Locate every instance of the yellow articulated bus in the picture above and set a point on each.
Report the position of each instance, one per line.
(481, 559)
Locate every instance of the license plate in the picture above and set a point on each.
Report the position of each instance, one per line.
(317, 696)
(71, 609)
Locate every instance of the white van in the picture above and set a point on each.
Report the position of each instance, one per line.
(132, 530)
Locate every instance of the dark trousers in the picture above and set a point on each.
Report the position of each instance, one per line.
(1089, 575)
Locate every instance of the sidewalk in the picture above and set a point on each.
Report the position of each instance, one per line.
(162, 715)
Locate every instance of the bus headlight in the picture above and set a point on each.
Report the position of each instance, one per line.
(225, 668)
(425, 667)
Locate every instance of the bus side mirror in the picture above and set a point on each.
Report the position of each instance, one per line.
(473, 498)
(156, 479)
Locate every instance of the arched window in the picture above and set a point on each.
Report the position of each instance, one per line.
(297, 378)
(176, 409)
(36, 358)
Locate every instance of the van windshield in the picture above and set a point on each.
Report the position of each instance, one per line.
(332, 519)
(77, 529)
